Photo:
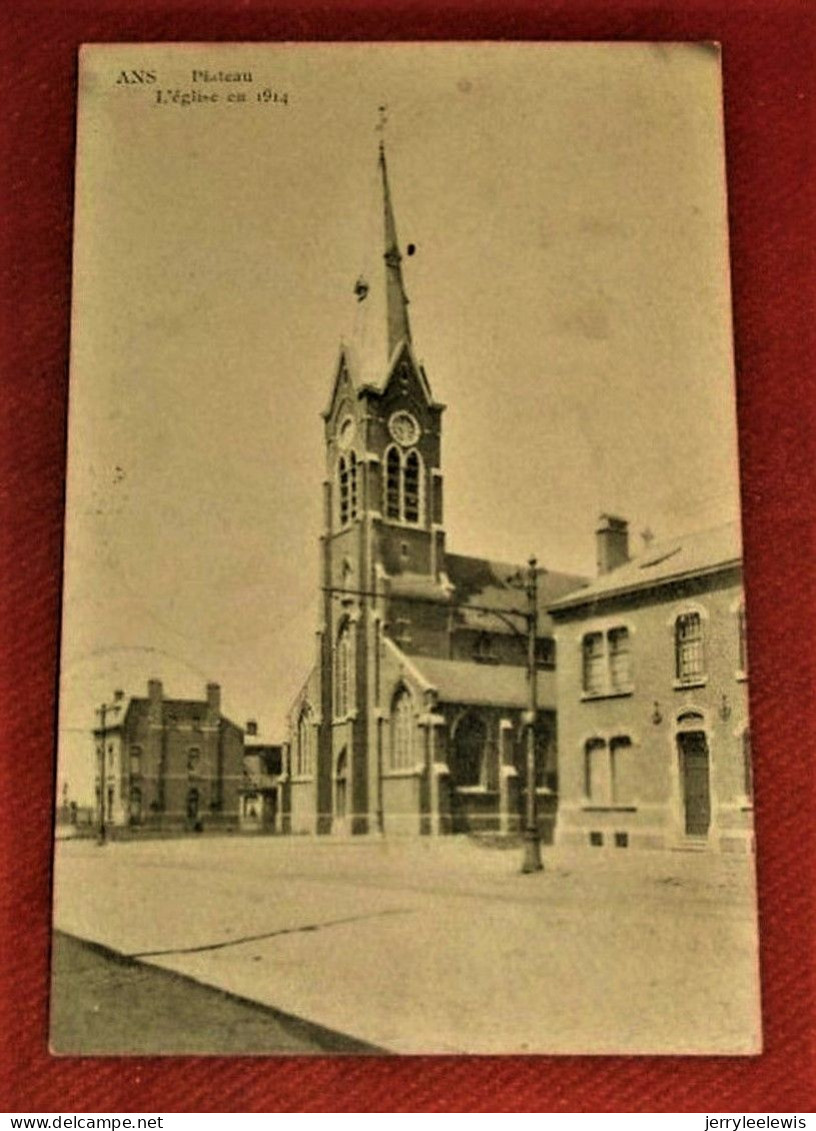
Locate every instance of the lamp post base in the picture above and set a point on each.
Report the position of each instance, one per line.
(532, 852)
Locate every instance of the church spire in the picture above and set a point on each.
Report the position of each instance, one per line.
(399, 329)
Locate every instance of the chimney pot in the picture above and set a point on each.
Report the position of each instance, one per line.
(252, 727)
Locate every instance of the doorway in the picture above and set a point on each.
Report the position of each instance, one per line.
(695, 789)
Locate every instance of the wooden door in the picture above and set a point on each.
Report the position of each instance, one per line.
(693, 750)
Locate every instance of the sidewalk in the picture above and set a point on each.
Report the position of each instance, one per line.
(440, 945)
(104, 1005)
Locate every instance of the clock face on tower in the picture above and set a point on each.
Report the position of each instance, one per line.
(404, 428)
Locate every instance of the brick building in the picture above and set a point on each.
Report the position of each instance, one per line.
(412, 718)
(169, 763)
(652, 696)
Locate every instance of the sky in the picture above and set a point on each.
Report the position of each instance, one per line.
(569, 298)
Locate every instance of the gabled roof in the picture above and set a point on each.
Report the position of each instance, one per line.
(688, 555)
(458, 681)
(470, 683)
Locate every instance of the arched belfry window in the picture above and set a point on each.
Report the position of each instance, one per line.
(353, 484)
(344, 672)
(343, 483)
(347, 484)
(403, 485)
(393, 475)
(402, 730)
(411, 494)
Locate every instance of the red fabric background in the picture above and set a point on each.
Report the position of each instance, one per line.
(769, 88)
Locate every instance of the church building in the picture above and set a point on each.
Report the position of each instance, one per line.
(414, 717)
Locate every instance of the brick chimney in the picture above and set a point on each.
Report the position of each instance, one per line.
(252, 728)
(155, 694)
(214, 700)
(612, 542)
(118, 695)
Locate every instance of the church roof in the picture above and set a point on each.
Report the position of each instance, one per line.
(479, 582)
(499, 685)
(688, 555)
(476, 584)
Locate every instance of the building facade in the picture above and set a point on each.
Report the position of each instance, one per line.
(261, 788)
(412, 719)
(168, 763)
(652, 697)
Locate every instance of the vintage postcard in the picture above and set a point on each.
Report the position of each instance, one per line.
(404, 700)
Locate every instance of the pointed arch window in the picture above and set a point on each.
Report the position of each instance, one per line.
(343, 482)
(402, 731)
(411, 494)
(403, 485)
(344, 672)
(347, 483)
(353, 485)
(304, 754)
(393, 475)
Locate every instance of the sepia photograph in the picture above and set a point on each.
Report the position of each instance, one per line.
(403, 695)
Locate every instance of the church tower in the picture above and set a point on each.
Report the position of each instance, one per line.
(383, 519)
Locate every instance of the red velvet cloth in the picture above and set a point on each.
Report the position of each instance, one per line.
(769, 93)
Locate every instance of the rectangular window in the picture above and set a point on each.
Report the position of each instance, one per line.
(621, 768)
(747, 769)
(598, 778)
(620, 668)
(689, 647)
(594, 661)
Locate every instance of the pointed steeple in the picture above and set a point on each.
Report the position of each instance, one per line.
(399, 329)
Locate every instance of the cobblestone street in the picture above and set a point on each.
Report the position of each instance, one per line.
(442, 946)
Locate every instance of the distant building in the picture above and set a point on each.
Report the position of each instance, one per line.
(71, 817)
(169, 763)
(260, 790)
(654, 744)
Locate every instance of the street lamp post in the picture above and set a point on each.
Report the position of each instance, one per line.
(101, 834)
(532, 838)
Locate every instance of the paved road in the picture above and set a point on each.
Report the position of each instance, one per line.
(440, 946)
(102, 1004)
